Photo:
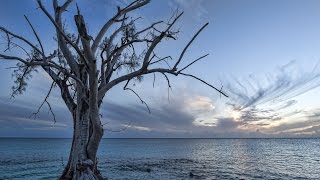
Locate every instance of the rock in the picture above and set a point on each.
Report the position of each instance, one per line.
(148, 170)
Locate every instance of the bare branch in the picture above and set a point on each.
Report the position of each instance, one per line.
(61, 32)
(113, 35)
(85, 39)
(150, 27)
(35, 33)
(193, 62)
(8, 42)
(134, 5)
(46, 66)
(140, 72)
(65, 5)
(21, 38)
(162, 59)
(169, 85)
(190, 75)
(45, 101)
(119, 49)
(221, 86)
(5, 57)
(168, 81)
(21, 80)
(157, 40)
(143, 102)
(107, 49)
(22, 48)
(51, 111)
(173, 22)
(43, 64)
(187, 46)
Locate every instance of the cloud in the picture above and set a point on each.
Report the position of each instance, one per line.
(314, 115)
(266, 102)
(199, 104)
(287, 104)
(194, 7)
(183, 116)
(228, 123)
(140, 128)
(308, 130)
(286, 83)
(163, 115)
(15, 115)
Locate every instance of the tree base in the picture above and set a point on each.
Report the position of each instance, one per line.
(82, 172)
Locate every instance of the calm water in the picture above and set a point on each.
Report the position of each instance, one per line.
(169, 158)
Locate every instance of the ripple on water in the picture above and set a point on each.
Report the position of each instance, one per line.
(170, 159)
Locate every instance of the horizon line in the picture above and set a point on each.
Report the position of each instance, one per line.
(168, 138)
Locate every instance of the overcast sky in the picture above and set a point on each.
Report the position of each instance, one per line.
(264, 53)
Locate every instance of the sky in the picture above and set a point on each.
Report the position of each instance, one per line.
(263, 54)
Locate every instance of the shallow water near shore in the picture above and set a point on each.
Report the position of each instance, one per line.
(169, 158)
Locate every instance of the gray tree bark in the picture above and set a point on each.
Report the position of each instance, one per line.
(82, 163)
(88, 131)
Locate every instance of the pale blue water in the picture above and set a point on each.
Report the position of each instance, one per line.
(169, 158)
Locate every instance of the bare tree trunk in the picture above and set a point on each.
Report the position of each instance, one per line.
(87, 133)
(82, 164)
(79, 165)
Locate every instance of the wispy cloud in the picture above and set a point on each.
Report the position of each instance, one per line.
(286, 83)
(267, 102)
(194, 7)
(18, 114)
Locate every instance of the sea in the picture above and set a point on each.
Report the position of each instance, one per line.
(23, 158)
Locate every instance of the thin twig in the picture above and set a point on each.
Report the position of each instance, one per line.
(193, 62)
(169, 85)
(45, 101)
(142, 101)
(35, 33)
(187, 46)
(195, 77)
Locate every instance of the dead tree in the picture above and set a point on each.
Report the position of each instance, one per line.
(83, 67)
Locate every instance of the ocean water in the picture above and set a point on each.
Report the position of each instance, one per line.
(169, 158)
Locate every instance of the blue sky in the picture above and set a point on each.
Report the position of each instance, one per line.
(264, 53)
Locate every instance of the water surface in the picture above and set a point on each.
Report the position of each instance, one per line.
(169, 158)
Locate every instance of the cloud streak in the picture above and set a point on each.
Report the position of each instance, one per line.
(267, 103)
(286, 83)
